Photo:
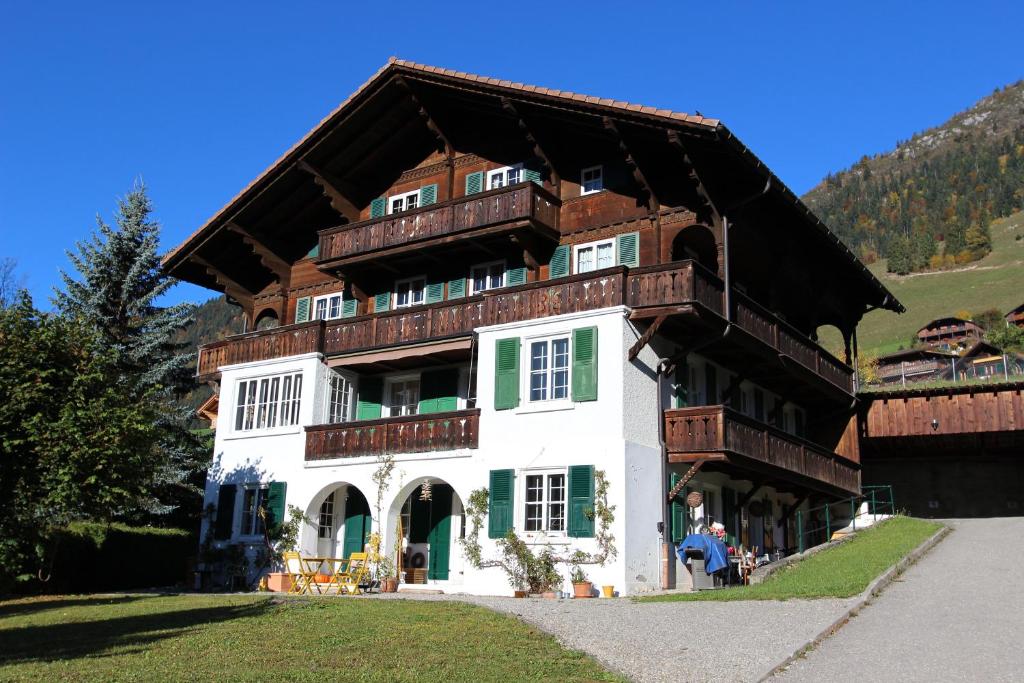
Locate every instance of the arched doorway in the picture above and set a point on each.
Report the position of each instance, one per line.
(341, 522)
(432, 521)
(696, 242)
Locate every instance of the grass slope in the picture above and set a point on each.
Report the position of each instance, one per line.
(838, 572)
(996, 281)
(252, 638)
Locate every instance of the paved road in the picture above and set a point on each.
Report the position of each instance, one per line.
(956, 615)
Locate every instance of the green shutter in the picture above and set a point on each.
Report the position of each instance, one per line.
(419, 518)
(368, 405)
(224, 522)
(559, 265)
(681, 390)
(439, 391)
(302, 307)
(382, 302)
(679, 518)
(428, 194)
(378, 207)
(440, 536)
(628, 249)
(515, 276)
(349, 308)
(499, 503)
(506, 373)
(581, 501)
(584, 364)
(532, 175)
(457, 288)
(474, 182)
(275, 503)
(357, 523)
(434, 293)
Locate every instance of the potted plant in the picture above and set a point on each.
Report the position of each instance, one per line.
(582, 588)
(279, 539)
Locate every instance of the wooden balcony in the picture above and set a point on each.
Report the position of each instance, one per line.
(720, 434)
(673, 286)
(522, 206)
(413, 434)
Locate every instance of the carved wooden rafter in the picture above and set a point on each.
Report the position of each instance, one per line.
(336, 190)
(791, 509)
(444, 143)
(749, 495)
(690, 474)
(634, 166)
(267, 252)
(531, 138)
(234, 290)
(707, 212)
(528, 242)
(646, 337)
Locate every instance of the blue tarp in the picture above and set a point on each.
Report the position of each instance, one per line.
(716, 555)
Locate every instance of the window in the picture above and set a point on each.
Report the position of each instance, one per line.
(759, 405)
(594, 256)
(339, 398)
(404, 202)
(591, 180)
(545, 503)
(327, 307)
(503, 177)
(403, 397)
(325, 528)
(255, 497)
(487, 276)
(549, 369)
(268, 402)
(409, 292)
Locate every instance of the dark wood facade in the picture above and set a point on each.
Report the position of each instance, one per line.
(411, 434)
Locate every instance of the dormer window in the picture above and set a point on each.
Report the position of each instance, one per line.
(503, 177)
(404, 202)
(591, 180)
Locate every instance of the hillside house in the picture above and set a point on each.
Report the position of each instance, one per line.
(513, 288)
(949, 333)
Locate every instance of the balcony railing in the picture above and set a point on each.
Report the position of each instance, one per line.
(412, 434)
(720, 430)
(673, 284)
(525, 203)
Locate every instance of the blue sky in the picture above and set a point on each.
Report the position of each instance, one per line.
(198, 98)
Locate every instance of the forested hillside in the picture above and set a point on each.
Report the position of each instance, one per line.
(928, 204)
(215, 319)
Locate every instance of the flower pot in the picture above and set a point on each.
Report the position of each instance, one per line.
(608, 591)
(389, 585)
(550, 595)
(584, 589)
(519, 594)
(279, 582)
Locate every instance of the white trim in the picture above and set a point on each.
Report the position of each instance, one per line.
(584, 192)
(409, 280)
(267, 363)
(595, 245)
(404, 197)
(487, 264)
(504, 171)
(525, 362)
(519, 516)
(565, 317)
(327, 298)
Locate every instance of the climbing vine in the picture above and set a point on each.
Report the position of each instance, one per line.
(527, 570)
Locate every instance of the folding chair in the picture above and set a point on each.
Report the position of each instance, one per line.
(298, 572)
(354, 575)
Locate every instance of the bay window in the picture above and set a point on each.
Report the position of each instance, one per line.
(268, 402)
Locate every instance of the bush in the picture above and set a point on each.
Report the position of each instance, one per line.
(91, 556)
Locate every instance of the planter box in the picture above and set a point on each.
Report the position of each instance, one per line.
(279, 582)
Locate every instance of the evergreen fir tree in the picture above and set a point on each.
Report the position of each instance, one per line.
(116, 292)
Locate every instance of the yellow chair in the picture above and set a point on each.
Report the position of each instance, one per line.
(300, 575)
(353, 573)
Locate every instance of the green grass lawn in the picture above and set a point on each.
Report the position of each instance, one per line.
(257, 638)
(996, 281)
(838, 572)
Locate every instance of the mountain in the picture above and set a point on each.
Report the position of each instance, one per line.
(929, 203)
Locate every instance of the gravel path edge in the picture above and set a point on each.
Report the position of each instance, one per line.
(873, 589)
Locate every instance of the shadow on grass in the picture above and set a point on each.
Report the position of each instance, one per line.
(15, 608)
(54, 642)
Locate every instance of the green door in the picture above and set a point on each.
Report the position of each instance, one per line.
(357, 523)
(440, 537)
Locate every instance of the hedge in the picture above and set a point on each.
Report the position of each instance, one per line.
(99, 557)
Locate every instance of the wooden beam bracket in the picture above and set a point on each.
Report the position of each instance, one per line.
(335, 189)
(749, 495)
(267, 252)
(646, 337)
(708, 212)
(690, 474)
(531, 138)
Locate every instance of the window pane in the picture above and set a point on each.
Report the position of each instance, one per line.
(560, 368)
(275, 386)
(534, 502)
(326, 525)
(497, 180)
(250, 407)
(416, 289)
(296, 399)
(556, 502)
(240, 406)
(321, 310)
(479, 280)
(514, 175)
(605, 255)
(412, 201)
(538, 371)
(396, 205)
(335, 308)
(585, 260)
(497, 276)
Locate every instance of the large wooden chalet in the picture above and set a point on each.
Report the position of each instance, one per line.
(513, 287)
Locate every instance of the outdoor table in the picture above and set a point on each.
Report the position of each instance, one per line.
(316, 566)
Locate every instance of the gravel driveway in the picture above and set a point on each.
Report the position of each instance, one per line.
(680, 641)
(956, 615)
